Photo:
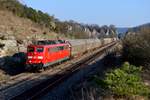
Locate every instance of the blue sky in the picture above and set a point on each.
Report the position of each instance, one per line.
(122, 13)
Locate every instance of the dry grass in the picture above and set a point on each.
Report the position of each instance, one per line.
(22, 28)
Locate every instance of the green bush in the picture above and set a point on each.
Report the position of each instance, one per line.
(125, 81)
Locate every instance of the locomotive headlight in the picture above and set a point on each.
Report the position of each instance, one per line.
(40, 57)
(29, 57)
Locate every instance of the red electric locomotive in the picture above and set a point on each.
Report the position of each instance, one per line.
(44, 53)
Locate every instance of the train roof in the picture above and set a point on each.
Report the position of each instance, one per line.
(48, 43)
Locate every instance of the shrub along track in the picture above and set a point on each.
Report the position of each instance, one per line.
(48, 82)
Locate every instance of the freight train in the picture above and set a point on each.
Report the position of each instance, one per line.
(44, 53)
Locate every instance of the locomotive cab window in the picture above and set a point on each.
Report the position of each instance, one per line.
(39, 49)
(30, 49)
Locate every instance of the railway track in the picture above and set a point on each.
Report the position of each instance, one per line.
(14, 80)
(42, 88)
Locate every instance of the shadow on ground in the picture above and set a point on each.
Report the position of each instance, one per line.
(112, 60)
(13, 65)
